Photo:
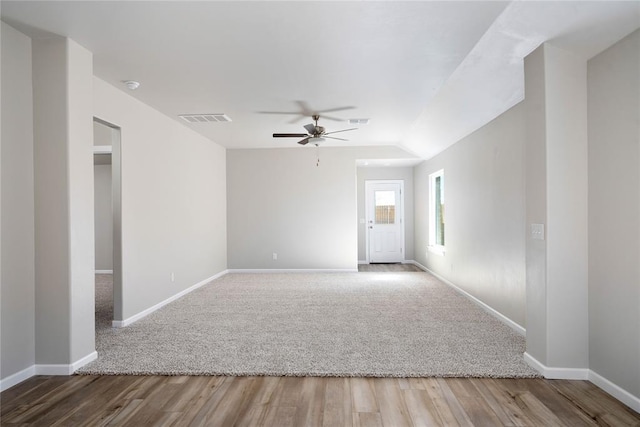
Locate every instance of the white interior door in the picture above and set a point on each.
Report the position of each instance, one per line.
(385, 221)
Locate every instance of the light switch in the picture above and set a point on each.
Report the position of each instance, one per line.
(537, 231)
(362, 221)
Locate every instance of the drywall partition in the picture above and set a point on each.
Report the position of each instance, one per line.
(614, 214)
(16, 153)
(536, 213)
(399, 173)
(484, 215)
(280, 202)
(556, 193)
(64, 243)
(173, 202)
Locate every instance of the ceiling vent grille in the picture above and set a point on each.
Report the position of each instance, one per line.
(359, 121)
(205, 118)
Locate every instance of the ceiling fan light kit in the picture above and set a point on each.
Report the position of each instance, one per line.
(316, 141)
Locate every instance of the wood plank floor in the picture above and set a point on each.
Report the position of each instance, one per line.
(387, 268)
(309, 401)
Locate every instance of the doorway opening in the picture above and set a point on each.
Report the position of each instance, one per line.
(384, 206)
(107, 219)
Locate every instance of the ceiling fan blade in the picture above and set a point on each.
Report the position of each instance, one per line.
(336, 131)
(311, 128)
(331, 110)
(333, 137)
(304, 141)
(277, 112)
(304, 108)
(289, 135)
(335, 119)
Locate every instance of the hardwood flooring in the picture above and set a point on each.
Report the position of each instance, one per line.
(387, 268)
(308, 401)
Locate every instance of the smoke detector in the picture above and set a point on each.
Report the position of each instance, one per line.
(131, 84)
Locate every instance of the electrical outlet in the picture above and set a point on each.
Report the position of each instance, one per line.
(275, 256)
(173, 277)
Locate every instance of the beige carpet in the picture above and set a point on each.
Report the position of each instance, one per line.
(404, 324)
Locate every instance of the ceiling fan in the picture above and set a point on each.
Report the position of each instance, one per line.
(315, 134)
(305, 111)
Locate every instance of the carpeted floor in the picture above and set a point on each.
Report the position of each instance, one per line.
(404, 324)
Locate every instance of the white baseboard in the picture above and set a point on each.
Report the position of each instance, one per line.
(501, 317)
(585, 374)
(17, 378)
(54, 369)
(128, 321)
(104, 271)
(66, 369)
(293, 270)
(58, 369)
(84, 361)
(554, 373)
(618, 392)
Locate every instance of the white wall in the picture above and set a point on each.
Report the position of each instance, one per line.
(279, 201)
(102, 134)
(556, 191)
(103, 217)
(484, 215)
(80, 187)
(173, 201)
(64, 235)
(18, 277)
(398, 173)
(614, 214)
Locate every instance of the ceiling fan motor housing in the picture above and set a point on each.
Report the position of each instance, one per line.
(315, 134)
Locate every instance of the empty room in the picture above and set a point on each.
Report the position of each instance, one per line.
(332, 213)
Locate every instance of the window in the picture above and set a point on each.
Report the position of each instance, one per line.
(385, 207)
(436, 212)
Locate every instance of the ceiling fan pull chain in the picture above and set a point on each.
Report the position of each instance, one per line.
(318, 155)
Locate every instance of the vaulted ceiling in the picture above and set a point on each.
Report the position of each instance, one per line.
(426, 73)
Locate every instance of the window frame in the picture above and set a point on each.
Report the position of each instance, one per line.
(434, 246)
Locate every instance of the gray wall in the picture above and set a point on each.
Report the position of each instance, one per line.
(18, 276)
(103, 217)
(614, 220)
(173, 201)
(484, 215)
(279, 201)
(399, 173)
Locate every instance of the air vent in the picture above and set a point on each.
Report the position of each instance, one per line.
(204, 118)
(359, 121)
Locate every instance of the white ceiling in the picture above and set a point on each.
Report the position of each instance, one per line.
(425, 72)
